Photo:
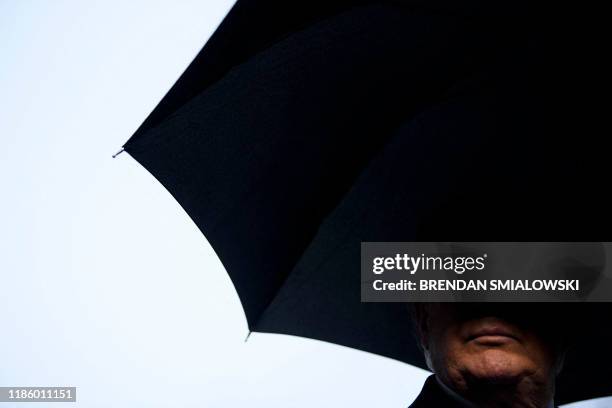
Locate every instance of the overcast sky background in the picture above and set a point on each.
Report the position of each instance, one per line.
(106, 284)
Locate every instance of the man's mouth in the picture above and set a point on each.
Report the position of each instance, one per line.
(492, 333)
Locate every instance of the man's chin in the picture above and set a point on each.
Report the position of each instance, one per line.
(498, 366)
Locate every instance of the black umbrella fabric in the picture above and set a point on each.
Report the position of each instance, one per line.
(301, 130)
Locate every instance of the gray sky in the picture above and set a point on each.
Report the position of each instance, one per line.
(106, 283)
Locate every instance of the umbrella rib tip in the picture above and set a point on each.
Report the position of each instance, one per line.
(119, 152)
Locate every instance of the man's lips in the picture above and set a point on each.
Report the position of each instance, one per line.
(492, 333)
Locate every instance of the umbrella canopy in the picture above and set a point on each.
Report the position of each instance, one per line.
(301, 130)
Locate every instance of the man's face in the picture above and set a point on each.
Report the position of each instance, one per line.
(476, 344)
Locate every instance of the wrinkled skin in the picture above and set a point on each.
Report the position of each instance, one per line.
(495, 355)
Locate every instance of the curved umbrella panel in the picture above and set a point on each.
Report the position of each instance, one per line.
(264, 154)
(249, 27)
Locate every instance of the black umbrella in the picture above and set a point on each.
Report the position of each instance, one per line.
(301, 130)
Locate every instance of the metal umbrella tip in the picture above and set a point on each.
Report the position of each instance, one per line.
(118, 153)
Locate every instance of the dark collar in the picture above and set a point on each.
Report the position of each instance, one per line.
(433, 396)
